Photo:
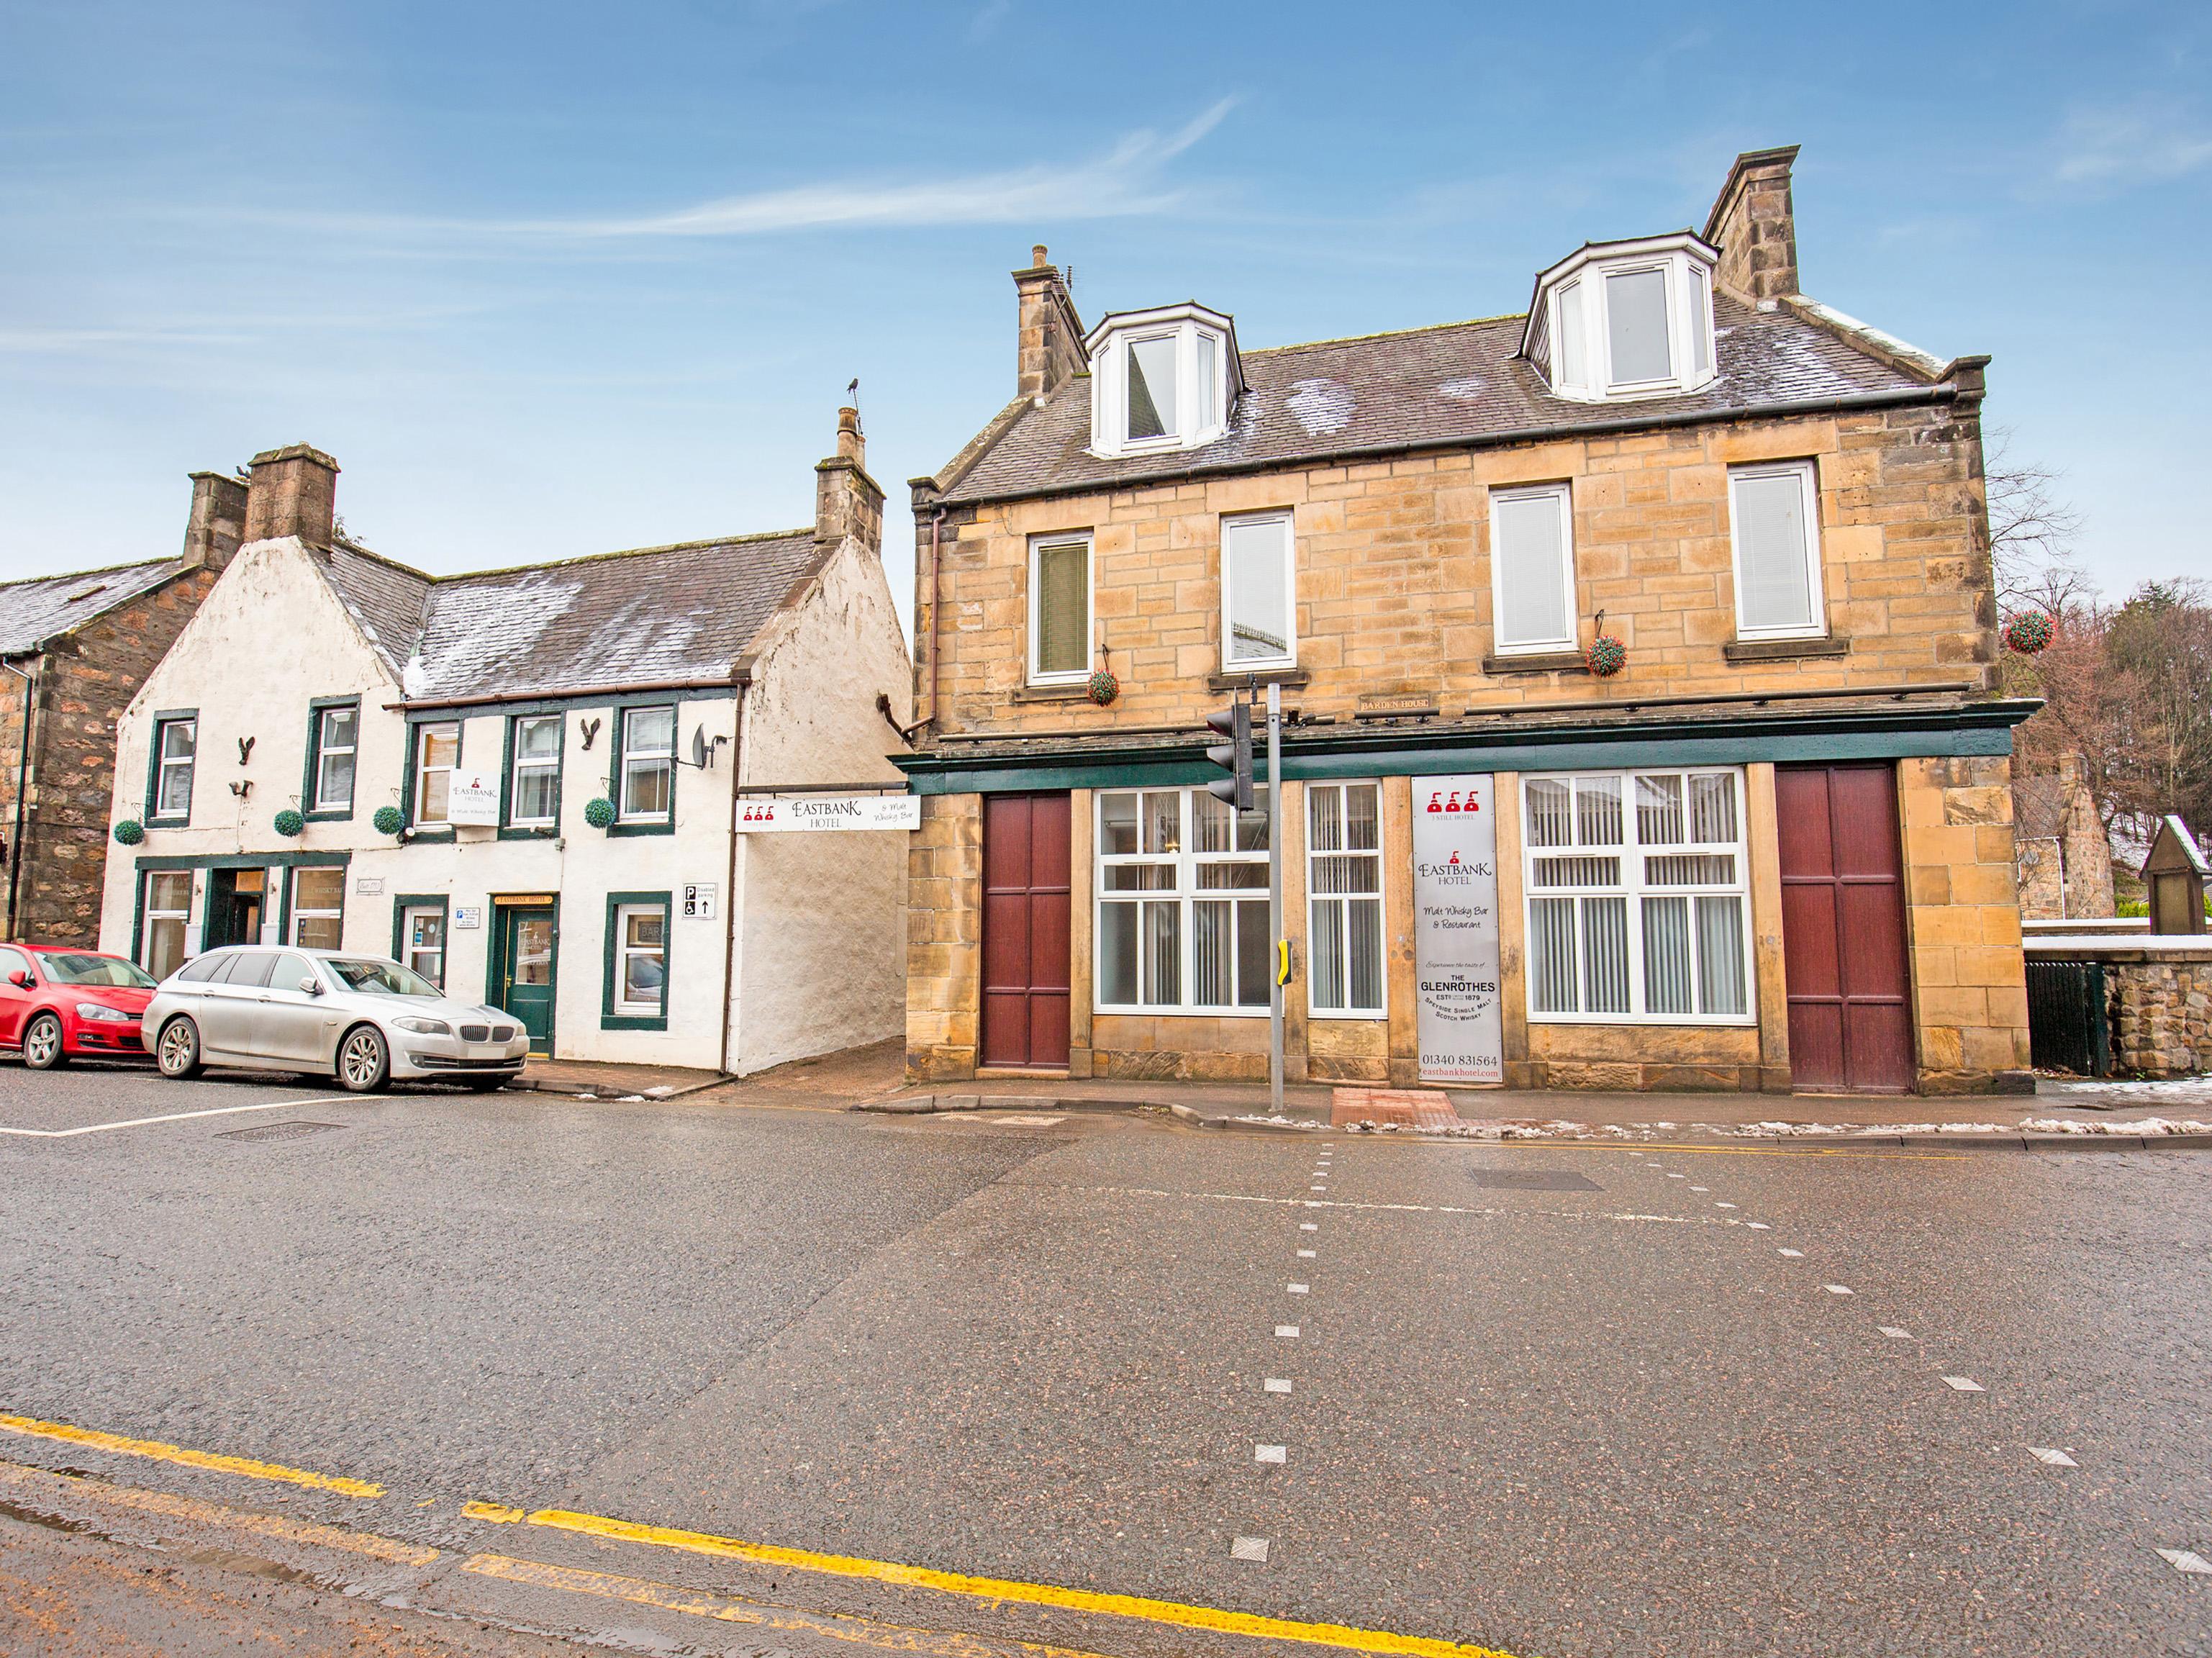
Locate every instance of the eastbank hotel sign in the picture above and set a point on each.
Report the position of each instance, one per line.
(1460, 1024)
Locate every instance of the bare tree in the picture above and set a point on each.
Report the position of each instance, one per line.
(2032, 533)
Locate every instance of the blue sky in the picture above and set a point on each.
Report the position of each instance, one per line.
(556, 278)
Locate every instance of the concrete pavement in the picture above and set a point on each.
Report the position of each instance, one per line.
(1551, 1399)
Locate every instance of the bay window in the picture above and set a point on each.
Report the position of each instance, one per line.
(1636, 887)
(1181, 904)
(1773, 519)
(1259, 592)
(1626, 320)
(1531, 568)
(1162, 379)
(1344, 898)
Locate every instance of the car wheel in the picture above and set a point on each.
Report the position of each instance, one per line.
(177, 1051)
(364, 1061)
(42, 1043)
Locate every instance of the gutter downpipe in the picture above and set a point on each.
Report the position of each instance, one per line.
(730, 883)
(23, 780)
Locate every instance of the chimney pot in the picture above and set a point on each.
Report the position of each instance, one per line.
(847, 500)
(1037, 259)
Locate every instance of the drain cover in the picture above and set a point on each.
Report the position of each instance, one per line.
(1533, 1180)
(280, 1131)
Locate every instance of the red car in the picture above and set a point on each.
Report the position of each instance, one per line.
(58, 1004)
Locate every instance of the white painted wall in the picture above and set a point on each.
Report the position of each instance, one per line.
(821, 947)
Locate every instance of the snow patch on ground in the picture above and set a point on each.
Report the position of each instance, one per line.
(2147, 1127)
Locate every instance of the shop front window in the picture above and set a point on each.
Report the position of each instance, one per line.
(1182, 897)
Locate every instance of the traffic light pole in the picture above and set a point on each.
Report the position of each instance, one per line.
(1275, 988)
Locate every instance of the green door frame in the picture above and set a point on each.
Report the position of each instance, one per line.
(495, 961)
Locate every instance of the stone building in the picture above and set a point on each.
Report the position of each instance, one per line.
(1772, 849)
(534, 785)
(2064, 854)
(76, 649)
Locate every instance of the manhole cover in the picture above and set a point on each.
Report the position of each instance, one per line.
(1533, 1180)
(280, 1131)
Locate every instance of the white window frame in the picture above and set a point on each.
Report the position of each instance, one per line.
(301, 912)
(1809, 483)
(1037, 544)
(1289, 659)
(148, 916)
(1689, 312)
(325, 748)
(1562, 495)
(1633, 888)
(1187, 895)
(423, 769)
(1318, 901)
(1202, 389)
(410, 956)
(623, 1007)
(164, 763)
(630, 751)
(520, 764)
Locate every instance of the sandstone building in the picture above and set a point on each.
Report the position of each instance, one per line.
(1772, 848)
(76, 649)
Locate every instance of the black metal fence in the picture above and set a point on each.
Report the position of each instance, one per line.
(2069, 1026)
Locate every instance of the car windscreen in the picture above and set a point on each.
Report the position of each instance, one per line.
(109, 970)
(373, 978)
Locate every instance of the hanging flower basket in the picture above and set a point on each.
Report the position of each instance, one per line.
(2028, 633)
(288, 823)
(1607, 656)
(1104, 688)
(388, 820)
(600, 813)
(129, 832)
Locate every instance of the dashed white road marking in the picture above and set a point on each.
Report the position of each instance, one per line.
(1288, 1332)
(1308, 1226)
(1408, 1208)
(1758, 1226)
(1894, 1334)
(1678, 1177)
(1724, 1205)
(1295, 1288)
(1965, 1384)
(1278, 1384)
(1794, 1254)
(2056, 1458)
(1837, 1288)
(2186, 1560)
(1701, 1188)
(1254, 1549)
(1307, 1254)
(1270, 1454)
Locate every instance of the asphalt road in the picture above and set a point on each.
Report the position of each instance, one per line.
(1562, 1401)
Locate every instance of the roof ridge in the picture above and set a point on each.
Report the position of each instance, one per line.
(626, 552)
(342, 543)
(100, 569)
(1389, 333)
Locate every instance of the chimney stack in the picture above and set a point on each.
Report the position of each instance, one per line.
(1755, 227)
(847, 500)
(217, 523)
(1050, 348)
(292, 492)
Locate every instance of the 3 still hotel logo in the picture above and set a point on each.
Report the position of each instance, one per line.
(1440, 802)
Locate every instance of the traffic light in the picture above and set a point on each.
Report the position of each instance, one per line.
(1234, 756)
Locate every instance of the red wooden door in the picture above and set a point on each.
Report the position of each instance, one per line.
(1843, 928)
(1026, 931)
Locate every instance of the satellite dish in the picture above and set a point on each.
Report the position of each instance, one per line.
(699, 749)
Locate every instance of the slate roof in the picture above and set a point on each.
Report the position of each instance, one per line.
(1459, 383)
(46, 607)
(652, 617)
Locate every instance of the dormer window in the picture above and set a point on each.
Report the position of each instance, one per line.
(1626, 320)
(1161, 380)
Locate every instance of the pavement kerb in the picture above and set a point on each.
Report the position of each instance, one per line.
(569, 1090)
(1192, 1117)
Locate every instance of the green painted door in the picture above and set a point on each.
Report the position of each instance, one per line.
(522, 981)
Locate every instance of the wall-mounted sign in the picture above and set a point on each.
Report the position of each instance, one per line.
(699, 897)
(1458, 1020)
(369, 886)
(760, 815)
(472, 797)
(466, 916)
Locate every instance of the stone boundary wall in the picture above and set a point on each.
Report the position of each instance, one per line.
(2161, 1011)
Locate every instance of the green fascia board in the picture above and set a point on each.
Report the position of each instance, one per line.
(1979, 729)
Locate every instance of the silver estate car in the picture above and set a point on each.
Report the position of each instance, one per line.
(364, 1019)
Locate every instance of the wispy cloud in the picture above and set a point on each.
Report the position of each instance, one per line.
(985, 23)
(1128, 180)
(2149, 141)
